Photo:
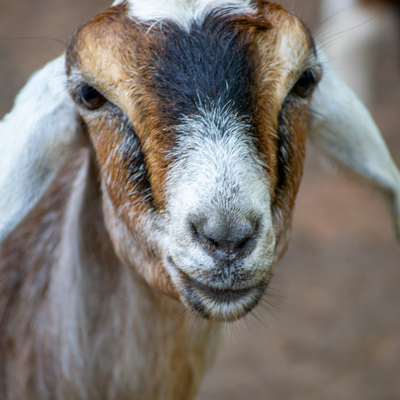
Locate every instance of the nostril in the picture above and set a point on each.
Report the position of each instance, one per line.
(247, 238)
(243, 243)
(200, 237)
(213, 244)
(224, 240)
(196, 234)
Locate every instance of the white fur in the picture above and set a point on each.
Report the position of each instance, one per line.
(184, 12)
(343, 127)
(119, 358)
(36, 138)
(217, 173)
(117, 330)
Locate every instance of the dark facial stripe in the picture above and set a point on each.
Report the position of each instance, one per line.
(134, 163)
(213, 64)
(285, 153)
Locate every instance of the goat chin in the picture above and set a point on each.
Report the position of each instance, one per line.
(223, 305)
(149, 175)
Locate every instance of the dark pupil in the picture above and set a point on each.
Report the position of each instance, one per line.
(304, 84)
(91, 98)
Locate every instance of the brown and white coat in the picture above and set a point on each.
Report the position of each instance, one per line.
(149, 175)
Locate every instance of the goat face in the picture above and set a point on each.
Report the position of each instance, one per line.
(199, 134)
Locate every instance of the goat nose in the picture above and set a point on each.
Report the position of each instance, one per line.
(225, 240)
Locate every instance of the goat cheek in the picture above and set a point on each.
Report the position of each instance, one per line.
(290, 162)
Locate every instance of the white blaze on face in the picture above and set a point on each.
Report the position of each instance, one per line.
(184, 12)
(218, 177)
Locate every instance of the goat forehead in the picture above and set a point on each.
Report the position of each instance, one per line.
(217, 59)
(209, 66)
(184, 12)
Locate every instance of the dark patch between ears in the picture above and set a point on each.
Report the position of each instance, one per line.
(213, 65)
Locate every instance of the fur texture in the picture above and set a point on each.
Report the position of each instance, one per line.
(178, 203)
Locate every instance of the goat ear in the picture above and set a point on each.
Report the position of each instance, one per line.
(36, 138)
(342, 127)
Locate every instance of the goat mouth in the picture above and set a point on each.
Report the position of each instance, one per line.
(219, 304)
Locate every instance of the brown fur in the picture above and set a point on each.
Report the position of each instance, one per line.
(129, 88)
(32, 343)
(94, 206)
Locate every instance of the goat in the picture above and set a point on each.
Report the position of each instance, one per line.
(149, 174)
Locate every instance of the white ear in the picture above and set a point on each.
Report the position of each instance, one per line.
(36, 138)
(342, 126)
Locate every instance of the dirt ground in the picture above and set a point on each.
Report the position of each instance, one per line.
(332, 327)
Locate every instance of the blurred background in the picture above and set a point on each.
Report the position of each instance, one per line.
(330, 326)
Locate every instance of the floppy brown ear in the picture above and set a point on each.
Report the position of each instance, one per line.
(342, 127)
(36, 138)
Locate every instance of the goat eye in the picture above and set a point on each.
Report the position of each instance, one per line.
(91, 98)
(304, 85)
